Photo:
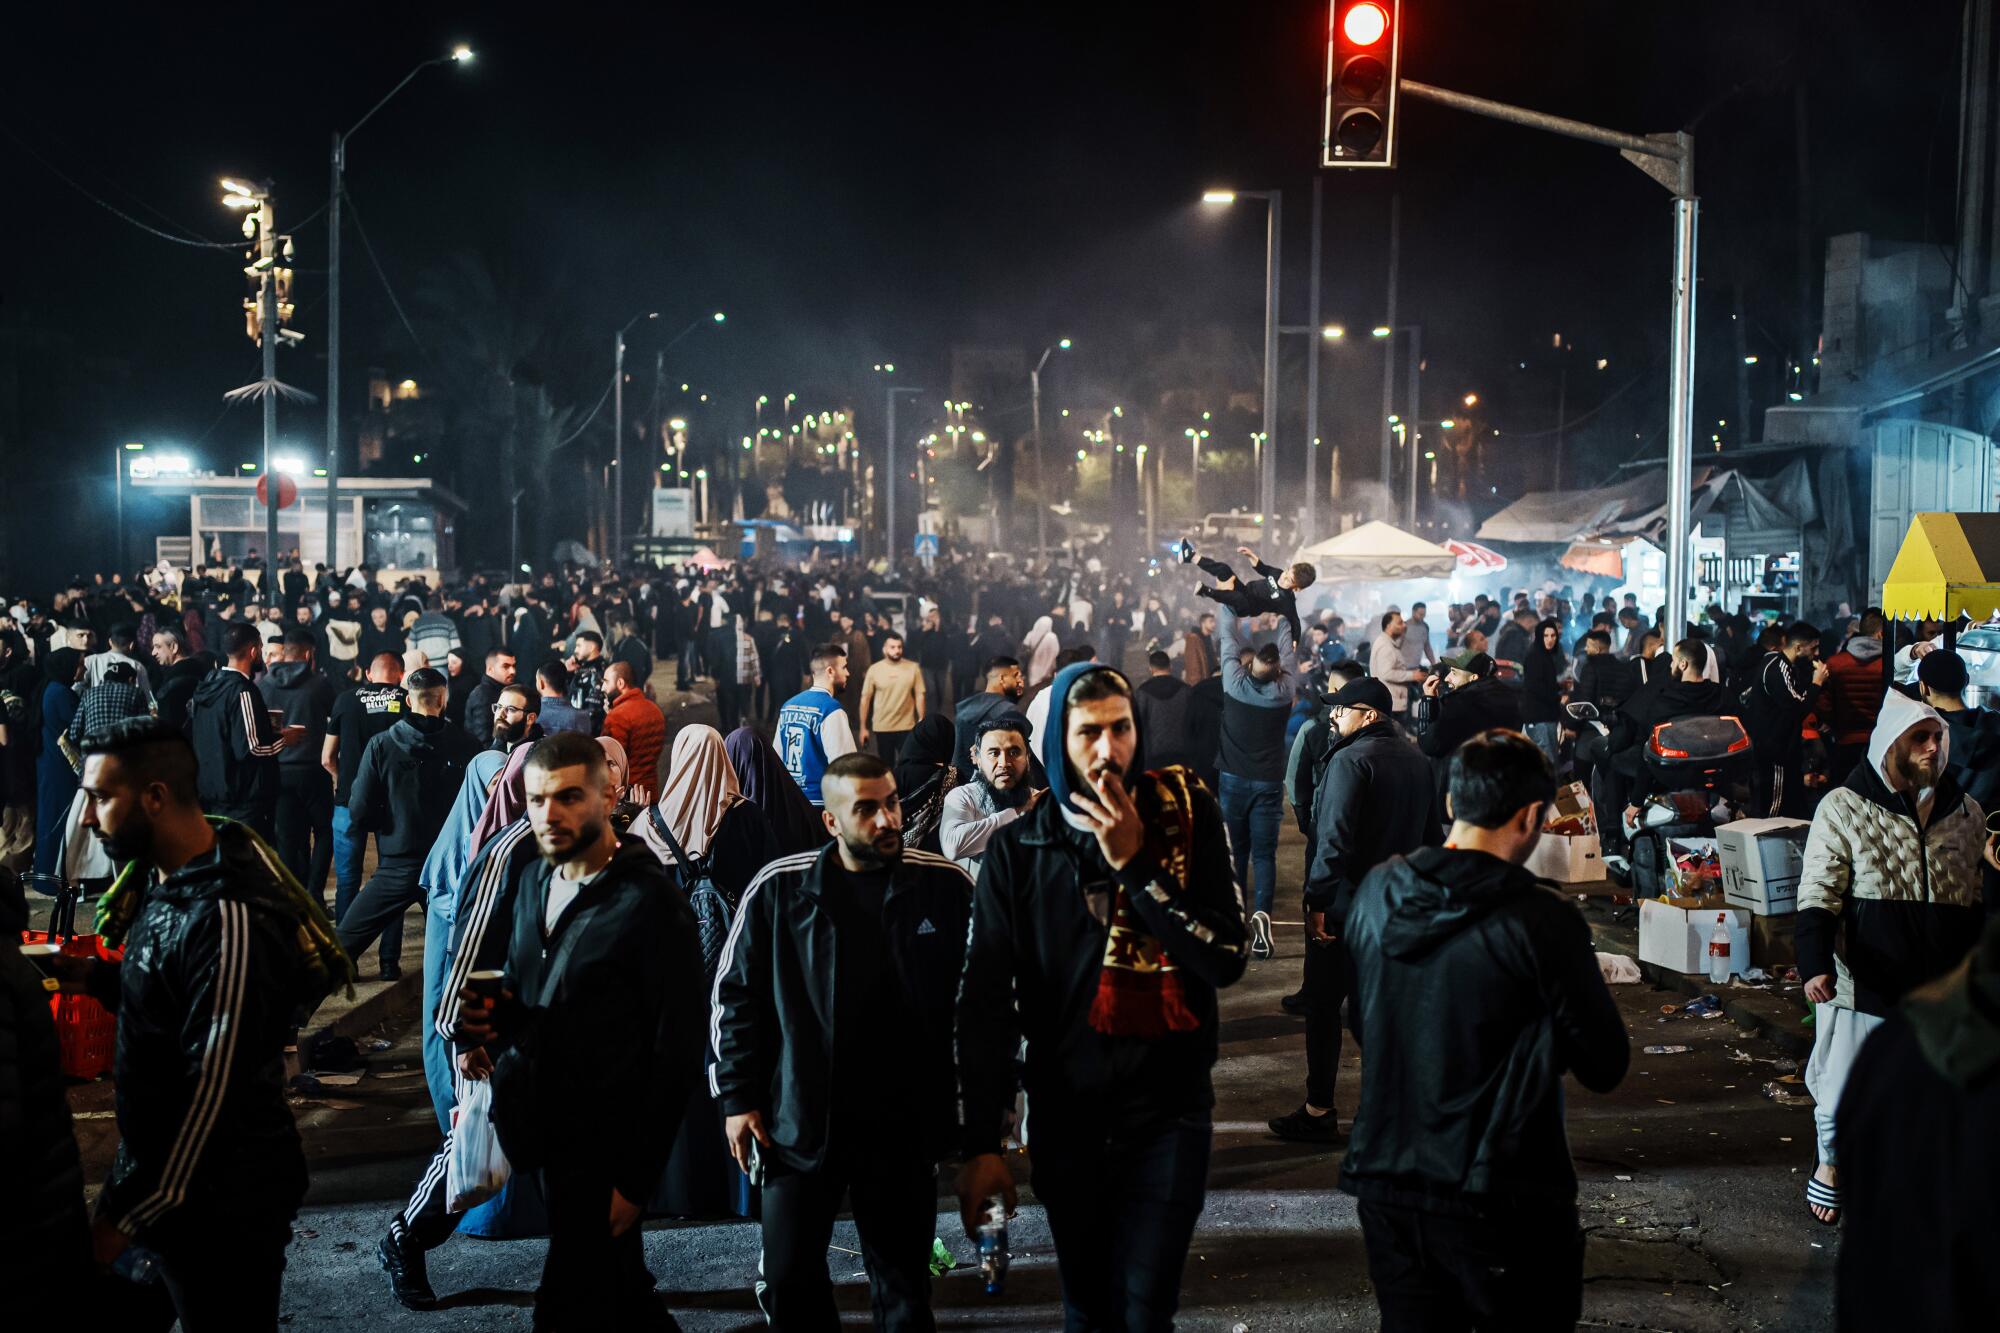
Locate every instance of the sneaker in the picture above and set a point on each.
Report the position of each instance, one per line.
(1185, 549)
(1301, 1126)
(392, 971)
(1295, 1003)
(1260, 934)
(403, 1260)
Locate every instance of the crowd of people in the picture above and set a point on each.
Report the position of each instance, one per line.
(940, 851)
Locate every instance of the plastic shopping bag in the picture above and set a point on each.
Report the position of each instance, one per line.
(476, 1169)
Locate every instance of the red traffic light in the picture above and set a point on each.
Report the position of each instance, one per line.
(1365, 24)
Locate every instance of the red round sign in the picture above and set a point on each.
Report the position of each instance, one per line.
(288, 491)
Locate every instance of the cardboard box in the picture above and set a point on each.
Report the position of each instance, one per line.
(1571, 810)
(1676, 938)
(1568, 858)
(1761, 862)
(1771, 944)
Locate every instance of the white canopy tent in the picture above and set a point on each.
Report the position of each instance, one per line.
(1378, 551)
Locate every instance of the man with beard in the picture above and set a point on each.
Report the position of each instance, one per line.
(220, 949)
(1005, 687)
(1103, 925)
(1682, 693)
(479, 714)
(833, 1050)
(1889, 899)
(996, 797)
(515, 718)
(601, 1007)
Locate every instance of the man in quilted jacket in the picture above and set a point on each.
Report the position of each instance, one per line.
(1889, 898)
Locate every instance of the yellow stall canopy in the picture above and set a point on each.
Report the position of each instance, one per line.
(1949, 566)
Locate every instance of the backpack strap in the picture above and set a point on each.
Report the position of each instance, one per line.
(673, 843)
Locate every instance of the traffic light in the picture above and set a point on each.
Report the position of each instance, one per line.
(1364, 38)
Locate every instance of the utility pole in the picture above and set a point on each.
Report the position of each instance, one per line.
(1389, 355)
(333, 355)
(1267, 473)
(269, 258)
(1414, 432)
(618, 448)
(889, 467)
(1314, 337)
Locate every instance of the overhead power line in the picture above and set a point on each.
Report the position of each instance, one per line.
(112, 208)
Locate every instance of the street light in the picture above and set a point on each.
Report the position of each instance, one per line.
(618, 433)
(460, 55)
(1267, 472)
(1333, 333)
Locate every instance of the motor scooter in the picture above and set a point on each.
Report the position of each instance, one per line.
(1702, 768)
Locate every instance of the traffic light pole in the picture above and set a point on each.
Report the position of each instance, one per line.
(1669, 160)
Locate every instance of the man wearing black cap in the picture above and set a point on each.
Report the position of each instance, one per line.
(1467, 699)
(403, 792)
(1374, 803)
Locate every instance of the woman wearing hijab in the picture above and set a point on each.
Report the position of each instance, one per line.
(764, 782)
(703, 812)
(1041, 645)
(925, 771)
(55, 769)
(1541, 679)
(623, 810)
(703, 807)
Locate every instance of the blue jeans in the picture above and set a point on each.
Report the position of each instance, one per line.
(1252, 811)
(1123, 1212)
(349, 847)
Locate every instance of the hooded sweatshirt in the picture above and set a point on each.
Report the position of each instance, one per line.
(305, 697)
(1854, 688)
(1462, 1109)
(408, 779)
(235, 745)
(1890, 891)
(1036, 952)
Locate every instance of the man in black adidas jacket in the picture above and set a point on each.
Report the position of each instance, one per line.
(602, 1005)
(234, 741)
(402, 793)
(871, 935)
(209, 1170)
(1477, 989)
(1087, 943)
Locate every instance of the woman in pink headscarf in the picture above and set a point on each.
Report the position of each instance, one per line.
(702, 809)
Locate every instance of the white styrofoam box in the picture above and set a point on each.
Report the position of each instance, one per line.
(1676, 938)
(1567, 858)
(1761, 861)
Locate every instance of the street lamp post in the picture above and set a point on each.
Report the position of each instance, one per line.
(618, 434)
(1041, 469)
(889, 467)
(460, 55)
(1267, 472)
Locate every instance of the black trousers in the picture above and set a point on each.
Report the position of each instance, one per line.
(207, 1284)
(1433, 1273)
(894, 1201)
(423, 1218)
(378, 909)
(591, 1279)
(1328, 978)
(305, 824)
(1122, 1209)
(889, 745)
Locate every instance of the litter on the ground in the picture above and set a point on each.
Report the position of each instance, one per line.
(1618, 970)
(1668, 1050)
(1785, 1096)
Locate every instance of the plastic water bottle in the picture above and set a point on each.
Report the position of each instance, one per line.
(993, 1246)
(1718, 951)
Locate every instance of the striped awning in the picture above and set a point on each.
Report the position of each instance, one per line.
(1949, 566)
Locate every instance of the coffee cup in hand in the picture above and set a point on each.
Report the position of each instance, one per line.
(44, 956)
(486, 985)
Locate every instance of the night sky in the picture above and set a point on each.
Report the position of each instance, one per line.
(884, 182)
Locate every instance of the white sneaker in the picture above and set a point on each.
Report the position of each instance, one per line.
(1260, 934)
